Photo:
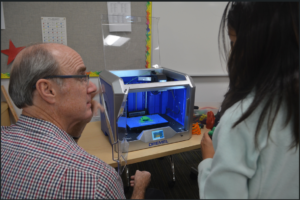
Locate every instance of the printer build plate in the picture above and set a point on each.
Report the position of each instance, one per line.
(145, 122)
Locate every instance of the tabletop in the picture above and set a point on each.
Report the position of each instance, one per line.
(97, 144)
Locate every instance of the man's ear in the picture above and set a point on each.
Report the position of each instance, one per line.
(46, 90)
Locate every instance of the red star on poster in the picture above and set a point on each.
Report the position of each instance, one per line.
(12, 52)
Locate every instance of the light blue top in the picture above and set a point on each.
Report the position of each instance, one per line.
(239, 170)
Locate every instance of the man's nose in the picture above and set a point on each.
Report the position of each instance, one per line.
(91, 87)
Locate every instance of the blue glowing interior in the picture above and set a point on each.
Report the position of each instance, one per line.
(171, 102)
(163, 107)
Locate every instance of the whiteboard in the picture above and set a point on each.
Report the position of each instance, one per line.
(188, 36)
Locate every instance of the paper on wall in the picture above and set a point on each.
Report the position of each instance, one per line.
(54, 30)
(117, 12)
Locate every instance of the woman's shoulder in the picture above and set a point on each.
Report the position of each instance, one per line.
(244, 131)
(239, 108)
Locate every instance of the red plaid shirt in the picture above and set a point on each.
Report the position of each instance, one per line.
(41, 161)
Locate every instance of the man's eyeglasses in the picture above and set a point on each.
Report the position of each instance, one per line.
(82, 78)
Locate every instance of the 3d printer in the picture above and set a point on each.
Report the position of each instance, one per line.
(158, 108)
(144, 107)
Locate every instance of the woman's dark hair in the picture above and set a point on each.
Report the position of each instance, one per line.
(264, 58)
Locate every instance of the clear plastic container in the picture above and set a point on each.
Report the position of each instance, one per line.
(199, 116)
(209, 108)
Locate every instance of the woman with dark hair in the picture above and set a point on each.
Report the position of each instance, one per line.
(254, 152)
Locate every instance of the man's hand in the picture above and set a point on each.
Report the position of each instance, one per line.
(207, 147)
(139, 182)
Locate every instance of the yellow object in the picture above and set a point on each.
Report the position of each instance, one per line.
(5, 120)
(202, 117)
(6, 75)
(196, 129)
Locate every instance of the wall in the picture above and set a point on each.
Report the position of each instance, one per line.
(83, 24)
(188, 36)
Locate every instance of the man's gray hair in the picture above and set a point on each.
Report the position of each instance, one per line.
(34, 63)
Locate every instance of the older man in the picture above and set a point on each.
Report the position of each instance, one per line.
(39, 155)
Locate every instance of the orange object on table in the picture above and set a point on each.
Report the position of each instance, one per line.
(196, 129)
(210, 120)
